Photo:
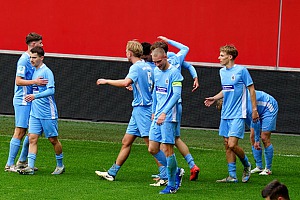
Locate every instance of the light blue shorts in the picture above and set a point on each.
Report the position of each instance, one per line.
(140, 121)
(232, 128)
(268, 121)
(47, 126)
(164, 133)
(22, 115)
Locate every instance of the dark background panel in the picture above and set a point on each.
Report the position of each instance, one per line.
(78, 96)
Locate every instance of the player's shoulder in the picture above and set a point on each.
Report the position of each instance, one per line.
(24, 59)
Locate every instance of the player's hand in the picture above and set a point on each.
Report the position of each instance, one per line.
(101, 81)
(255, 116)
(129, 88)
(29, 98)
(195, 85)
(161, 119)
(257, 145)
(209, 101)
(163, 38)
(41, 81)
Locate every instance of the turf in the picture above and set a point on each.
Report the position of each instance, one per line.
(92, 146)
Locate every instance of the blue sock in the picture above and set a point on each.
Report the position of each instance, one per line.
(14, 147)
(257, 154)
(59, 160)
(232, 169)
(269, 152)
(190, 160)
(161, 158)
(245, 161)
(114, 170)
(163, 172)
(172, 168)
(24, 151)
(31, 160)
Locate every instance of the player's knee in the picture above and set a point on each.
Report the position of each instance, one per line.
(152, 150)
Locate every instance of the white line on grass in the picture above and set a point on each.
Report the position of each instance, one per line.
(196, 148)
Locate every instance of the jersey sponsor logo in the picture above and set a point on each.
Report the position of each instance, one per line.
(228, 88)
(21, 70)
(35, 89)
(161, 90)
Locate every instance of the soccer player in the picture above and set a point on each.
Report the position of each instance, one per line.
(267, 108)
(43, 114)
(23, 86)
(275, 191)
(140, 77)
(166, 114)
(177, 60)
(234, 80)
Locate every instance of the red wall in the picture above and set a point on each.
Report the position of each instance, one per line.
(98, 27)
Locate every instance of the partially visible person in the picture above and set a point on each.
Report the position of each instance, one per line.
(161, 179)
(140, 79)
(234, 79)
(275, 191)
(23, 86)
(166, 112)
(267, 108)
(43, 114)
(177, 60)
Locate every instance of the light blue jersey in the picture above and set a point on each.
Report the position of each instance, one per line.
(141, 75)
(234, 87)
(44, 106)
(172, 56)
(177, 59)
(24, 70)
(165, 82)
(267, 108)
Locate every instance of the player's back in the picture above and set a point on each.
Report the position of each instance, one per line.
(141, 74)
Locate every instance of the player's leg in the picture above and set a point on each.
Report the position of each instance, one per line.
(236, 132)
(268, 125)
(50, 127)
(21, 125)
(269, 152)
(127, 141)
(257, 154)
(230, 155)
(24, 153)
(33, 140)
(184, 150)
(168, 132)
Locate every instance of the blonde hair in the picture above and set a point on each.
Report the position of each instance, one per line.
(135, 47)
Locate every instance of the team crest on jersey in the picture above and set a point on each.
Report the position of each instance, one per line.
(233, 77)
(21, 70)
(167, 81)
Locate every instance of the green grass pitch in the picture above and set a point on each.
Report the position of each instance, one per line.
(92, 146)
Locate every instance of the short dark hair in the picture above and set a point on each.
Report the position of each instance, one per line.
(39, 50)
(33, 37)
(274, 190)
(146, 48)
(160, 44)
